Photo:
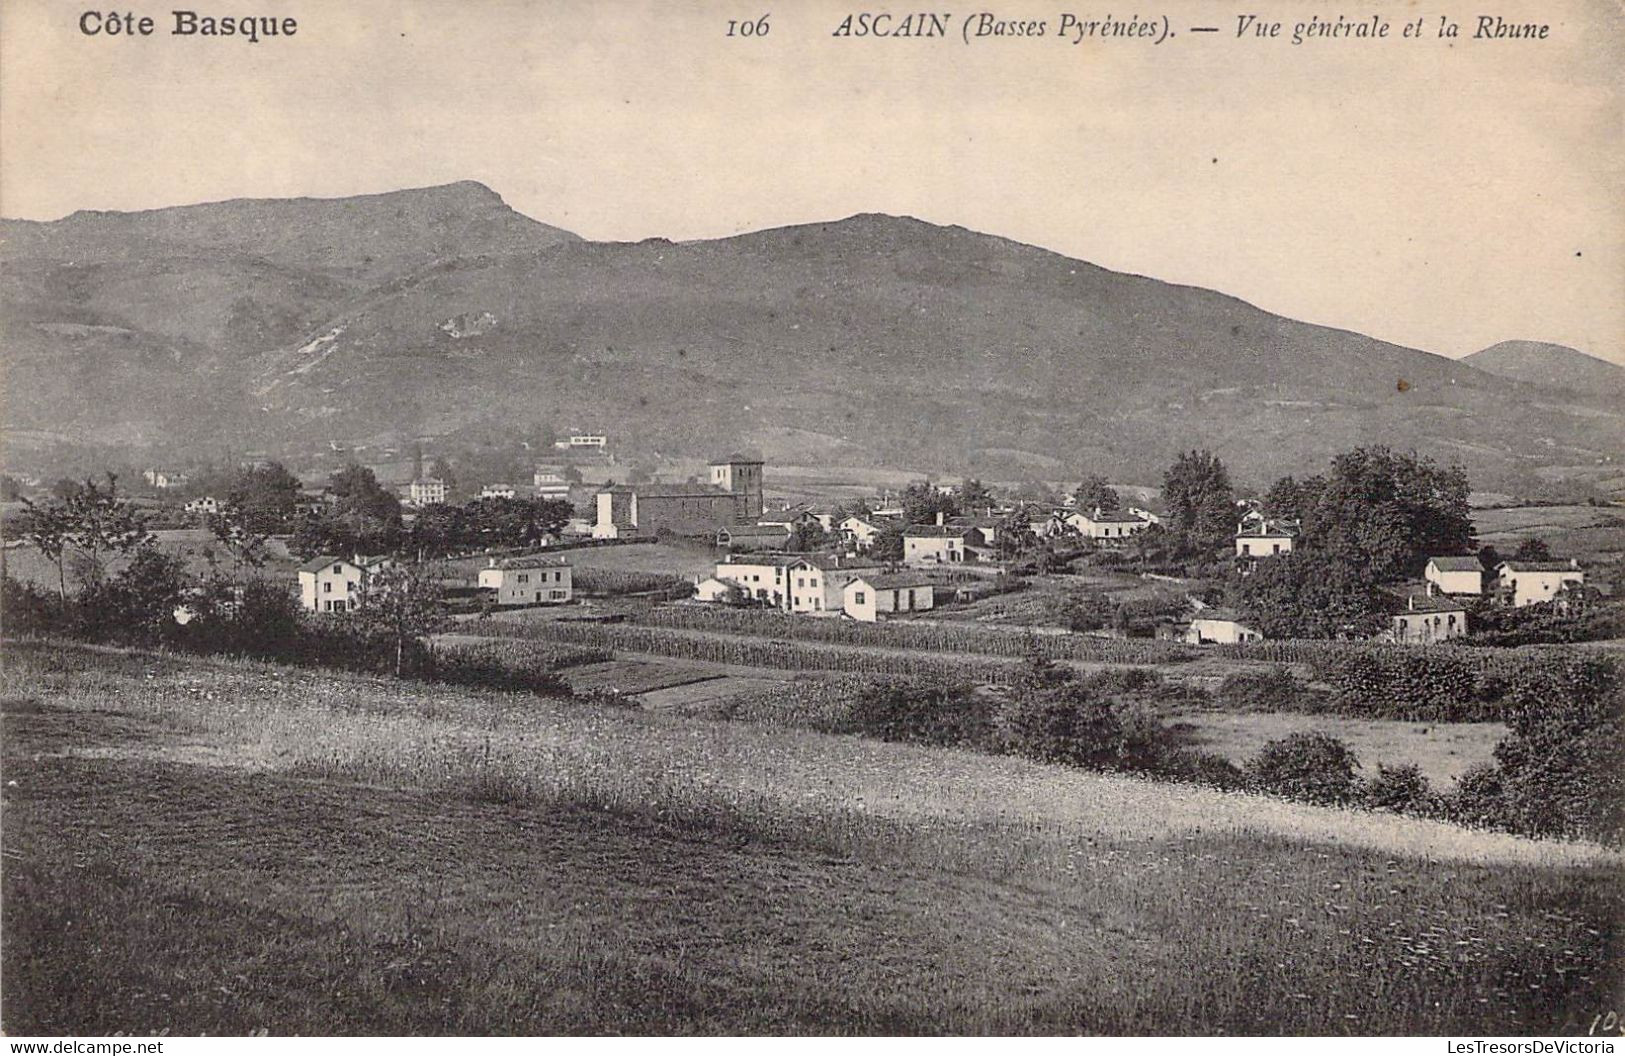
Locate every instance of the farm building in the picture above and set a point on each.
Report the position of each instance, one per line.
(871, 596)
(1521, 583)
(1426, 616)
(816, 582)
(712, 589)
(497, 491)
(1220, 627)
(335, 584)
(862, 531)
(754, 537)
(528, 580)
(761, 577)
(1455, 575)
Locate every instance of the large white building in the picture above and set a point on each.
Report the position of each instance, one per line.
(426, 491)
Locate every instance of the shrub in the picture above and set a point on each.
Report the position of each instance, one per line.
(1204, 768)
(1069, 723)
(949, 716)
(1308, 766)
(1273, 689)
(1479, 798)
(1402, 789)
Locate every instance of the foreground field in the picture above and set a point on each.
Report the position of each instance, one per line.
(217, 847)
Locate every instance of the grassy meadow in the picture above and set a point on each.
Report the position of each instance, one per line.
(224, 847)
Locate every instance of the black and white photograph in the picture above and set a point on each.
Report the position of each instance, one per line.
(616, 518)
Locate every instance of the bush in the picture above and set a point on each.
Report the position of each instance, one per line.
(1069, 723)
(1312, 767)
(946, 716)
(1203, 768)
(1401, 789)
(1274, 689)
(1479, 799)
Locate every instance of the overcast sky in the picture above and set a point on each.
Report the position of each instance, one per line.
(1443, 197)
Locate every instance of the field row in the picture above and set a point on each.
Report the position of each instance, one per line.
(931, 637)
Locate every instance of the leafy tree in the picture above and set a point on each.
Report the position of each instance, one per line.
(139, 602)
(1309, 766)
(888, 544)
(973, 495)
(403, 603)
(1389, 512)
(91, 525)
(1532, 549)
(1095, 493)
(266, 495)
(1201, 502)
(1308, 594)
(922, 502)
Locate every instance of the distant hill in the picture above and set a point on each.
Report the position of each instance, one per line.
(874, 340)
(1551, 366)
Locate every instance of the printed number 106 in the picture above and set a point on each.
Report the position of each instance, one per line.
(744, 27)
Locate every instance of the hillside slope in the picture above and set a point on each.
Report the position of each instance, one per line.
(873, 340)
(1552, 366)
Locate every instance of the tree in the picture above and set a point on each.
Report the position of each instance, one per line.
(266, 495)
(1307, 594)
(888, 544)
(11, 489)
(138, 603)
(1532, 549)
(1387, 511)
(974, 495)
(92, 524)
(1094, 493)
(403, 603)
(1200, 500)
(922, 502)
(807, 537)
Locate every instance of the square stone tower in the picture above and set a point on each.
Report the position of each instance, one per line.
(742, 476)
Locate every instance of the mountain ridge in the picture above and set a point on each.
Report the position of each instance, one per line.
(870, 339)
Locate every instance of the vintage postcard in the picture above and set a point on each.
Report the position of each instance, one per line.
(588, 517)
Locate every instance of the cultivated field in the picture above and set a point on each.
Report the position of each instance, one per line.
(210, 846)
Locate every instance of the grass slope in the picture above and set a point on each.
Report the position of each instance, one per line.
(220, 847)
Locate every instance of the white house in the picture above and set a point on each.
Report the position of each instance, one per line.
(816, 582)
(862, 531)
(1455, 575)
(164, 479)
(712, 589)
(1260, 536)
(1532, 582)
(1426, 616)
(334, 584)
(1145, 515)
(426, 491)
(528, 580)
(498, 491)
(873, 595)
(1106, 527)
(760, 576)
(1220, 627)
(937, 544)
(591, 441)
(204, 504)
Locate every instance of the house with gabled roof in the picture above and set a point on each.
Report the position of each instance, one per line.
(1521, 583)
(1261, 536)
(941, 544)
(1421, 614)
(532, 580)
(754, 537)
(873, 595)
(336, 584)
(1103, 527)
(1455, 575)
(1214, 626)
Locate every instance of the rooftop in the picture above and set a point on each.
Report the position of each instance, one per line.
(1456, 564)
(894, 581)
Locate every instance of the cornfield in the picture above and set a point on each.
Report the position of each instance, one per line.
(770, 653)
(929, 637)
(611, 581)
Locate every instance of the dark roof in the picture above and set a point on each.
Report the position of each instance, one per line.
(1539, 566)
(1226, 615)
(735, 459)
(533, 561)
(835, 562)
(321, 561)
(1414, 597)
(781, 560)
(774, 531)
(939, 531)
(1456, 564)
(680, 491)
(894, 581)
